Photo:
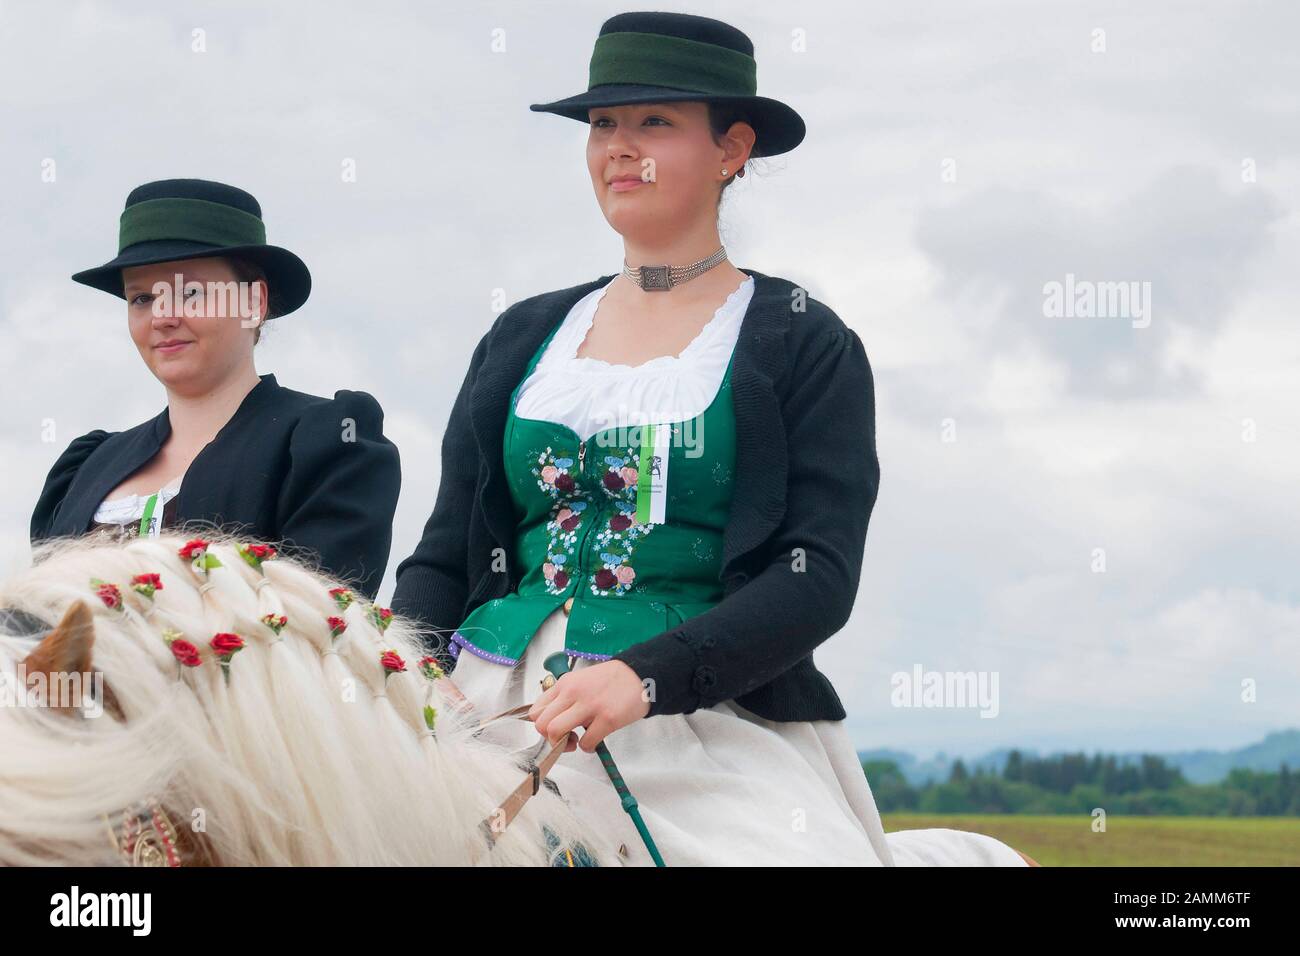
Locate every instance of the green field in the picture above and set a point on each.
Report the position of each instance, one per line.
(1129, 841)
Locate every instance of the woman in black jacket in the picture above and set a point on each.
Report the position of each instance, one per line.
(667, 475)
(232, 450)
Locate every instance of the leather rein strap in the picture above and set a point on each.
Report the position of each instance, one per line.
(504, 814)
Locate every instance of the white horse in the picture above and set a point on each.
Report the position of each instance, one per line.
(307, 747)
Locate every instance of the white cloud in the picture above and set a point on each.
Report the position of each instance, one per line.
(1070, 436)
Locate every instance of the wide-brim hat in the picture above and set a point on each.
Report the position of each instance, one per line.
(678, 57)
(177, 219)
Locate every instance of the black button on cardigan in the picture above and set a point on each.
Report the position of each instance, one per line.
(315, 476)
(805, 483)
(705, 679)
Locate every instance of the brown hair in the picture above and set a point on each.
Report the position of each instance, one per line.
(721, 116)
(246, 270)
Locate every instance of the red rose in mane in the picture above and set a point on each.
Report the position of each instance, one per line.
(185, 652)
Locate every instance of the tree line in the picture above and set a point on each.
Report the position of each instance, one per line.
(1076, 783)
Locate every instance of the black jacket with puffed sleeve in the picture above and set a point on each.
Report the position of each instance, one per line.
(314, 475)
(807, 476)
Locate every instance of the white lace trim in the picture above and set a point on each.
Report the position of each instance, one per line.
(131, 507)
(588, 394)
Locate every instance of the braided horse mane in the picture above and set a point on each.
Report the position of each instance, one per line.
(298, 756)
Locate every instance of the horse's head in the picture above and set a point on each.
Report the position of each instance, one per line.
(59, 674)
(234, 706)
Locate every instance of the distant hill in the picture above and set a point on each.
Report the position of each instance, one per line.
(1198, 766)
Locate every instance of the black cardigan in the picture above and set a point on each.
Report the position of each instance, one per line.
(287, 467)
(805, 484)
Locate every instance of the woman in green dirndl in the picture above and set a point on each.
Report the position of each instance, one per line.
(667, 474)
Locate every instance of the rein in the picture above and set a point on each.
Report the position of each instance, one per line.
(500, 818)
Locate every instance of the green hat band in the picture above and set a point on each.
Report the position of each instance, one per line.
(657, 60)
(196, 220)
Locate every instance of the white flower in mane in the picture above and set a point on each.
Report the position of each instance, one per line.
(309, 754)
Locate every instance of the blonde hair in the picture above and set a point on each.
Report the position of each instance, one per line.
(307, 755)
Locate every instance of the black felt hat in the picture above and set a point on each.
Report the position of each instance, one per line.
(175, 219)
(678, 57)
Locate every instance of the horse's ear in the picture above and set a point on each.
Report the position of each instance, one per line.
(66, 649)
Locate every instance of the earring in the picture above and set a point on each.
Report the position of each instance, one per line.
(724, 170)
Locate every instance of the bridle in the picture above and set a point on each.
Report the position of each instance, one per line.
(146, 836)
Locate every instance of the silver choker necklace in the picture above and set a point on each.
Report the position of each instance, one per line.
(663, 278)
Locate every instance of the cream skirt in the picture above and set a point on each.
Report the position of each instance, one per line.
(721, 786)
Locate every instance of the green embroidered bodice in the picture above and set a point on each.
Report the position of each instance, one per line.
(623, 527)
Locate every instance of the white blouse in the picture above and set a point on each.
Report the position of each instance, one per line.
(130, 508)
(590, 394)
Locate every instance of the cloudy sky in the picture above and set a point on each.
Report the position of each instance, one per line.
(1100, 509)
